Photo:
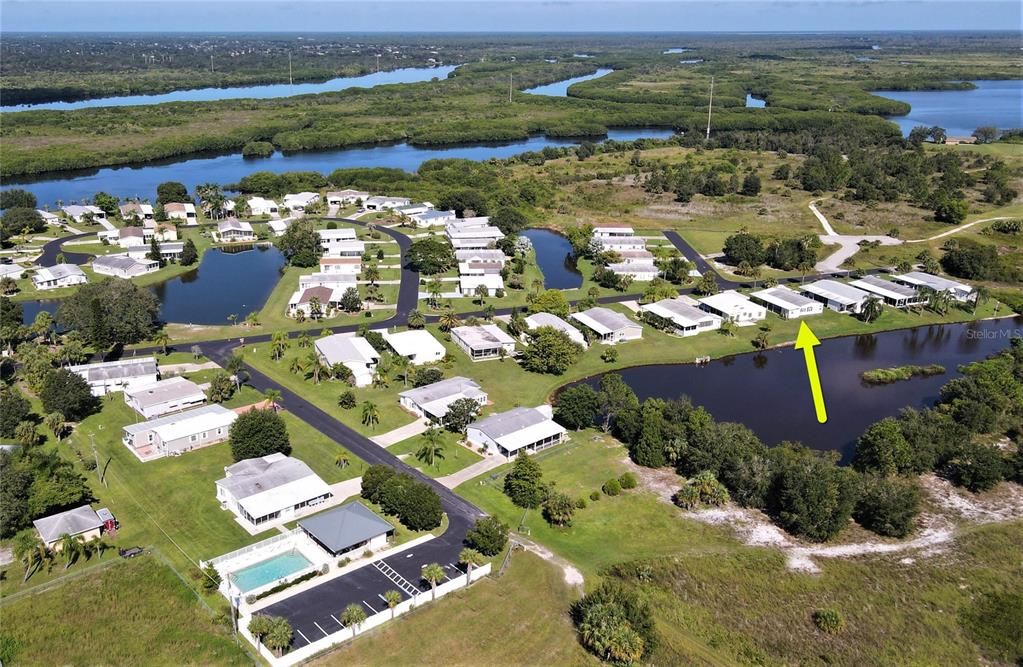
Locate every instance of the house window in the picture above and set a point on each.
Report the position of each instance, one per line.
(192, 438)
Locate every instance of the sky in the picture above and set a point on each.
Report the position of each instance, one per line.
(500, 16)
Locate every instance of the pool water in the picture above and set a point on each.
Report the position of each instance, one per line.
(270, 570)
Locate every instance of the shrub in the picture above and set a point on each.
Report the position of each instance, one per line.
(488, 536)
(627, 481)
(558, 509)
(976, 467)
(888, 506)
(346, 401)
(580, 503)
(612, 487)
(615, 624)
(702, 489)
(829, 621)
(595, 495)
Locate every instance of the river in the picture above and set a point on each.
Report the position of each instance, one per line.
(960, 112)
(269, 91)
(560, 88)
(769, 392)
(554, 257)
(140, 181)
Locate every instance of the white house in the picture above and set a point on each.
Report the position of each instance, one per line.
(164, 397)
(347, 248)
(417, 345)
(278, 227)
(81, 522)
(355, 352)
(432, 400)
(683, 315)
(477, 268)
(638, 271)
(136, 212)
(260, 206)
(383, 203)
(837, 296)
(300, 201)
(927, 281)
(484, 341)
(328, 296)
(414, 209)
(234, 230)
(432, 218)
(346, 265)
(342, 197)
(270, 488)
(610, 326)
(347, 529)
(621, 243)
(50, 218)
(124, 266)
(12, 271)
(893, 294)
(610, 231)
(733, 306)
(636, 256)
(537, 320)
(165, 231)
(180, 432)
(59, 275)
(332, 279)
(518, 429)
(168, 250)
(107, 376)
(333, 239)
(79, 213)
(787, 303)
(132, 237)
(481, 256)
(467, 284)
(473, 237)
(181, 211)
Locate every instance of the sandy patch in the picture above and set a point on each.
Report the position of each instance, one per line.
(573, 577)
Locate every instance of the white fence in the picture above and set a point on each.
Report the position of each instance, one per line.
(345, 634)
(262, 544)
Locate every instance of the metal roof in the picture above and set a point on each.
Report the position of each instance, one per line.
(484, 336)
(115, 370)
(344, 527)
(517, 427)
(603, 320)
(72, 522)
(180, 424)
(836, 291)
(932, 281)
(884, 287)
(678, 311)
(171, 389)
(271, 483)
(413, 341)
(59, 271)
(340, 348)
(782, 297)
(537, 320)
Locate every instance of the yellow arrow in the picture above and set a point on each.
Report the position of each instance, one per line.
(806, 341)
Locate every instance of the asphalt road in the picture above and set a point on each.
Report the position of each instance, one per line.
(52, 248)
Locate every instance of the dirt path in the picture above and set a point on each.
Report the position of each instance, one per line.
(958, 229)
(848, 244)
(573, 577)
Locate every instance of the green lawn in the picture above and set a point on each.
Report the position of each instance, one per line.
(456, 456)
(518, 619)
(135, 612)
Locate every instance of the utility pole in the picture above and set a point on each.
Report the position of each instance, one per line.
(509, 87)
(710, 107)
(291, 79)
(211, 63)
(95, 456)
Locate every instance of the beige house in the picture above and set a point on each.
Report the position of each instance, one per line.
(78, 522)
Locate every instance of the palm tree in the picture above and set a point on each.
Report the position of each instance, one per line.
(433, 573)
(482, 293)
(449, 320)
(353, 616)
(273, 397)
(435, 287)
(232, 318)
(370, 414)
(70, 549)
(489, 312)
(314, 367)
(236, 366)
(804, 268)
(416, 320)
(471, 558)
(278, 345)
(981, 294)
(403, 367)
(871, 309)
(761, 342)
(56, 423)
(342, 460)
(296, 366)
(372, 274)
(252, 319)
(304, 341)
(393, 599)
(163, 340)
(29, 551)
(537, 286)
(279, 636)
(433, 447)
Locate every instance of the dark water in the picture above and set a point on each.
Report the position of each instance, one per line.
(754, 103)
(960, 112)
(770, 393)
(226, 281)
(141, 180)
(407, 75)
(560, 88)
(554, 256)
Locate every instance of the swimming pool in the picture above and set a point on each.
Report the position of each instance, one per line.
(270, 570)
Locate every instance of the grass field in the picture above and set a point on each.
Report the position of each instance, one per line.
(518, 619)
(135, 612)
(456, 456)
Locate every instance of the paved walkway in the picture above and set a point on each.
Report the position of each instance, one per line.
(401, 433)
(475, 470)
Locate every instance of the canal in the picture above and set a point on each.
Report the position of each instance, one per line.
(555, 259)
(769, 392)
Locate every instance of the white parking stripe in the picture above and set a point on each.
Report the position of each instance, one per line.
(321, 629)
(370, 607)
(303, 636)
(337, 621)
